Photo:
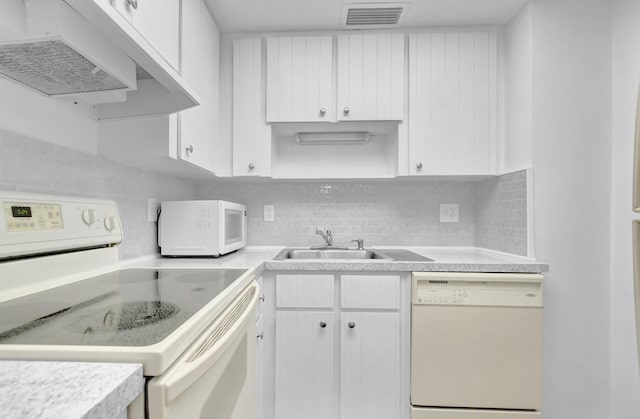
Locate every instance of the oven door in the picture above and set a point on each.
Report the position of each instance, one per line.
(215, 377)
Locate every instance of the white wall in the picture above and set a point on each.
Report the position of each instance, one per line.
(625, 378)
(572, 170)
(516, 149)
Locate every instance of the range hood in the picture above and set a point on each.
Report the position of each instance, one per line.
(56, 52)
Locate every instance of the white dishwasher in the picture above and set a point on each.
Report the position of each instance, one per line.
(476, 346)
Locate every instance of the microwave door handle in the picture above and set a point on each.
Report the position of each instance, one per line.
(203, 354)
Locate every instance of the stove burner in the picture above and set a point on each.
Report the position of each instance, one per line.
(126, 316)
(141, 313)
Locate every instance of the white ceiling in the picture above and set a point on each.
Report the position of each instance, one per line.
(309, 15)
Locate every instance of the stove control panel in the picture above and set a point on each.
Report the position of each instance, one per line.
(20, 216)
(33, 223)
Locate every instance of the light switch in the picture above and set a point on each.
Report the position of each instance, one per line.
(269, 213)
(449, 213)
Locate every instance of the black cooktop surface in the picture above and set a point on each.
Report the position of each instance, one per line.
(129, 307)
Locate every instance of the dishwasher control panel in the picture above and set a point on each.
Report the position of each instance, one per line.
(492, 290)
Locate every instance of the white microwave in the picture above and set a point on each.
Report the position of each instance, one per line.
(201, 228)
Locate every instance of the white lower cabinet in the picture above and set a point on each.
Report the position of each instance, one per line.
(304, 365)
(340, 347)
(369, 365)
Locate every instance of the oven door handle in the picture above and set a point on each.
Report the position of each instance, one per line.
(202, 355)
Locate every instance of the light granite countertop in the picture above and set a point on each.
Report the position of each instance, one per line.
(445, 259)
(69, 390)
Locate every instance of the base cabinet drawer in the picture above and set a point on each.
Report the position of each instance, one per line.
(370, 292)
(304, 291)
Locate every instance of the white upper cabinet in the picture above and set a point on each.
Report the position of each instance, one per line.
(158, 21)
(370, 78)
(200, 67)
(299, 79)
(148, 31)
(453, 103)
(165, 142)
(371, 75)
(251, 134)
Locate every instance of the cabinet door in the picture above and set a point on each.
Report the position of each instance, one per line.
(299, 79)
(251, 134)
(371, 77)
(200, 57)
(453, 103)
(158, 21)
(370, 365)
(304, 365)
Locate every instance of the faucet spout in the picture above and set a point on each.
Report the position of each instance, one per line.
(327, 237)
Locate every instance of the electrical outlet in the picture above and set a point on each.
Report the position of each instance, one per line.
(152, 210)
(449, 213)
(269, 213)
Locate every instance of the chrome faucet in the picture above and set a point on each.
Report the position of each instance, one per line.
(327, 237)
(360, 243)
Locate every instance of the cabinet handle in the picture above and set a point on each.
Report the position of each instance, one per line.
(190, 148)
(260, 335)
(261, 298)
(323, 324)
(351, 325)
(252, 166)
(323, 111)
(133, 3)
(419, 165)
(346, 111)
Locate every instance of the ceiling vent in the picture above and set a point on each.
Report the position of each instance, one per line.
(370, 15)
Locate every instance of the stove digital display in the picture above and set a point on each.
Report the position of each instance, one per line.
(21, 212)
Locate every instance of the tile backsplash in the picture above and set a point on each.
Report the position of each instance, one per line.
(29, 165)
(380, 212)
(391, 212)
(492, 212)
(501, 213)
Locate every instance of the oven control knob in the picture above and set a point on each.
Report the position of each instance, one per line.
(89, 216)
(110, 223)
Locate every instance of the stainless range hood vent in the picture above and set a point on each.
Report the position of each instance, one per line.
(373, 14)
(59, 54)
(54, 68)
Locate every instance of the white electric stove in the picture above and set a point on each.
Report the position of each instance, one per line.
(64, 296)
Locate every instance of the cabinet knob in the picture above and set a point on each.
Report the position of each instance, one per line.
(133, 3)
(346, 111)
(351, 325)
(190, 148)
(419, 165)
(260, 335)
(323, 111)
(252, 166)
(323, 324)
(261, 298)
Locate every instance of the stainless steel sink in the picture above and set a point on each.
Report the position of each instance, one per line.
(329, 254)
(333, 254)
